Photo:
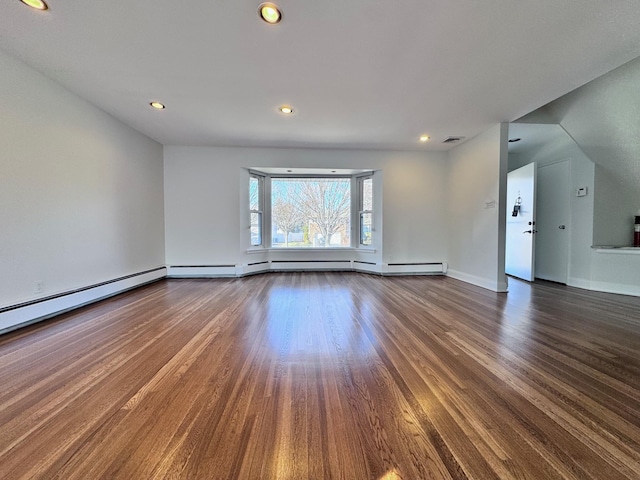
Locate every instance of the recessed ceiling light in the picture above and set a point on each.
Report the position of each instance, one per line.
(424, 138)
(37, 4)
(514, 140)
(333, 171)
(286, 109)
(157, 105)
(270, 13)
(289, 171)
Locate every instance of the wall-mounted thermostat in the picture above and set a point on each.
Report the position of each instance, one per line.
(581, 192)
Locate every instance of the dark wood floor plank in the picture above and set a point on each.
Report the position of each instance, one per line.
(327, 376)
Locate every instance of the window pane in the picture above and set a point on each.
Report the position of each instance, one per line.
(367, 194)
(311, 212)
(254, 194)
(366, 223)
(256, 229)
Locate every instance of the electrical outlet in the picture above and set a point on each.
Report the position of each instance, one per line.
(38, 287)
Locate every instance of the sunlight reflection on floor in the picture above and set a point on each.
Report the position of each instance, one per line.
(321, 322)
(391, 475)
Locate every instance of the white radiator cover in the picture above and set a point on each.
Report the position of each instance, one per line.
(315, 265)
(212, 271)
(41, 309)
(416, 268)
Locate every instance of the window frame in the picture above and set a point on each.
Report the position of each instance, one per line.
(360, 180)
(356, 202)
(260, 211)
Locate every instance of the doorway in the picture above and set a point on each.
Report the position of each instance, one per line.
(553, 222)
(521, 223)
(554, 153)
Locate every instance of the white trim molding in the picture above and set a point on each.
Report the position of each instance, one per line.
(306, 265)
(500, 287)
(201, 271)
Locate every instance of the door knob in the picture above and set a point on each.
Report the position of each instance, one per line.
(562, 227)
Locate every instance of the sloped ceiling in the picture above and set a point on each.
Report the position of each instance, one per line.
(360, 74)
(535, 137)
(603, 118)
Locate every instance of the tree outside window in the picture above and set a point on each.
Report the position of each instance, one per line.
(311, 212)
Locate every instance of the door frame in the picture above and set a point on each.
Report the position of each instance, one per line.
(569, 222)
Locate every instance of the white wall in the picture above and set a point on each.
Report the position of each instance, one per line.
(582, 172)
(614, 208)
(476, 177)
(206, 189)
(81, 194)
(603, 117)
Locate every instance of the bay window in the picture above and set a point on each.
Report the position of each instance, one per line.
(312, 211)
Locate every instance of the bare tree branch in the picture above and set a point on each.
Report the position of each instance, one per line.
(286, 216)
(325, 202)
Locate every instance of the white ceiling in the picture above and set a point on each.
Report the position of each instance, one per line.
(360, 73)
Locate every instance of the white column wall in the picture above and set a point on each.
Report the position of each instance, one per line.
(476, 209)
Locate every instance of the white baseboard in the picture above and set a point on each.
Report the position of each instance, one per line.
(252, 268)
(606, 287)
(579, 283)
(619, 288)
(436, 268)
(201, 271)
(478, 281)
(213, 271)
(19, 315)
(367, 267)
(304, 266)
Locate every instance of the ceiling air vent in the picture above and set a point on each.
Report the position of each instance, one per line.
(452, 139)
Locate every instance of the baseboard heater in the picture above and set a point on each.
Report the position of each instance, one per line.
(366, 267)
(201, 271)
(213, 271)
(309, 265)
(25, 313)
(435, 268)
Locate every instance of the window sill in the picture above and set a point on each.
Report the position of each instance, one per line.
(617, 250)
(309, 249)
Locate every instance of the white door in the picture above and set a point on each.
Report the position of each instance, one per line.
(521, 200)
(553, 215)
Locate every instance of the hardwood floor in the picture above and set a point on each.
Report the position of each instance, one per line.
(327, 376)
